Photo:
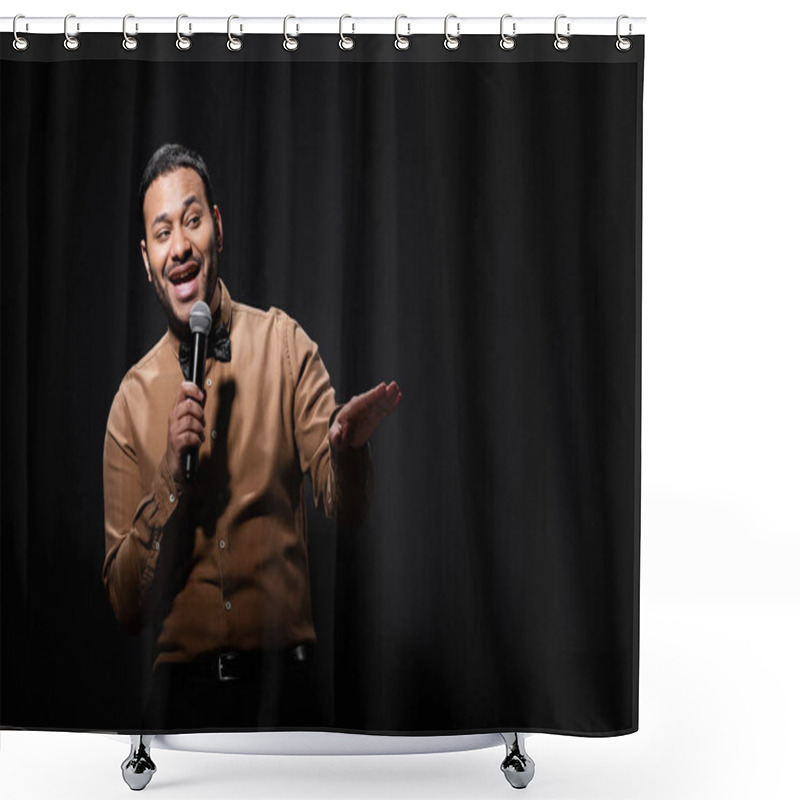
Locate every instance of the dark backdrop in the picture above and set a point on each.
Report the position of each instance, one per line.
(467, 223)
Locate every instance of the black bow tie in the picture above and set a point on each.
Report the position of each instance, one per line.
(218, 346)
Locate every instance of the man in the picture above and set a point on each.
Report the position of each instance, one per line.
(219, 564)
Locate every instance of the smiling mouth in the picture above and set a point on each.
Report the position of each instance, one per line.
(183, 275)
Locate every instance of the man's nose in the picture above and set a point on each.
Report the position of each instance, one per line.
(181, 246)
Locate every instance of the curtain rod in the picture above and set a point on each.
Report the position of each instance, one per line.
(349, 25)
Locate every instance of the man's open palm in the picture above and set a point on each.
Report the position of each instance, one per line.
(362, 415)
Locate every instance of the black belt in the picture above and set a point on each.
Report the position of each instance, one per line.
(235, 665)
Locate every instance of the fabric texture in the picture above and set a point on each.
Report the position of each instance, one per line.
(467, 223)
(222, 563)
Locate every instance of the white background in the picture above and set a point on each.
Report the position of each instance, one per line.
(720, 448)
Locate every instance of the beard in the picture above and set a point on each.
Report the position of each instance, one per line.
(176, 324)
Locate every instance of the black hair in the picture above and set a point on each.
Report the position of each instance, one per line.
(168, 158)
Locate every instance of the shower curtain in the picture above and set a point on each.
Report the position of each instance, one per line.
(464, 222)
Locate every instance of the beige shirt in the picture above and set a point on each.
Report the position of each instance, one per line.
(223, 565)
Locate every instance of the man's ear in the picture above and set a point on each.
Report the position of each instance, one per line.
(146, 260)
(218, 227)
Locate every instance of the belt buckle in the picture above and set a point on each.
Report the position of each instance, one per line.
(223, 661)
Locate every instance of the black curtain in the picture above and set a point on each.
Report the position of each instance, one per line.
(467, 223)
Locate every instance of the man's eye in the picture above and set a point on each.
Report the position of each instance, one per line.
(162, 235)
(194, 221)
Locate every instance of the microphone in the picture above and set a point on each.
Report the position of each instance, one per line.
(200, 326)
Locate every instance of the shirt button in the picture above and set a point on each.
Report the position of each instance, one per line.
(214, 434)
(172, 498)
(228, 605)
(208, 381)
(221, 544)
(158, 545)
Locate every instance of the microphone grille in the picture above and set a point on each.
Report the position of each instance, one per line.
(200, 318)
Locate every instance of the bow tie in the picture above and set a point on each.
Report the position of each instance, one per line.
(218, 346)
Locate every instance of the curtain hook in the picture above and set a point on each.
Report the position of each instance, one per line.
(71, 42)
(346, 42)
(129, 42)
(401, 42)
(20, 42)
(508, 42)
(451, 42)
(623, 44)
(561, 42)
(290, 43)
(182, 43)
(234, 43)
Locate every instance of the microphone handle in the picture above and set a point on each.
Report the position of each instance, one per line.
(197, 374)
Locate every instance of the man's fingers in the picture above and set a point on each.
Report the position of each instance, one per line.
(191, 408)
(190, 424)
(390, 393)
(377, 403)
(186, 426)
(387, 401)
(188, 439)
(392, 397)
(382, 396)
(190, 390)
(375, 395)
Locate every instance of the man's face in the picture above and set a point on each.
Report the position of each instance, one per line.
(183, 239)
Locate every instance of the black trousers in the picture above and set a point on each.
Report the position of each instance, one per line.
(277, 691)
